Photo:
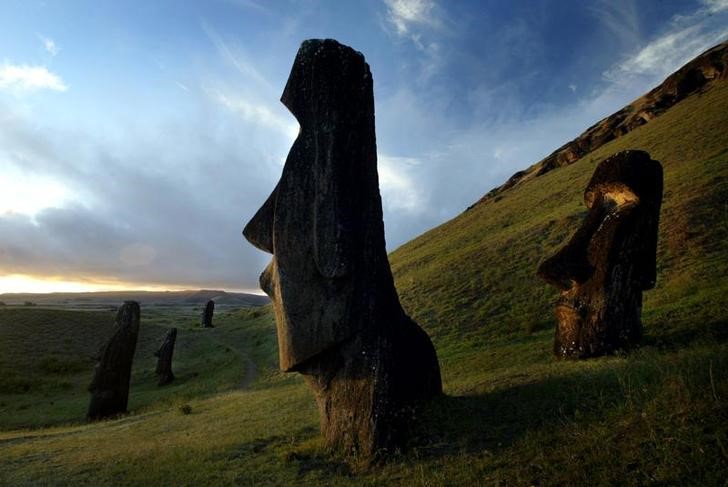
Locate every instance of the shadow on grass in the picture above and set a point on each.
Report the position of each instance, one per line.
(467, 424)
(498, 419)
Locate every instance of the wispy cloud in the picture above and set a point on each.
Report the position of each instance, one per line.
(257, 114)
(686, 37)
(49, 45)
(715, 6)
(248, 4)
(403, 14)
(29, 78)
(235, 58)
(621, 18)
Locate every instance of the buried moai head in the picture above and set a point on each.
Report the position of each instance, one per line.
(323, 221)
(610, 259)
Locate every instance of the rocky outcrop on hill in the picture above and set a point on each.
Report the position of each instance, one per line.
(695, 76)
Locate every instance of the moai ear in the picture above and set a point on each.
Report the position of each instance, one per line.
(259, 230)
(332, 208)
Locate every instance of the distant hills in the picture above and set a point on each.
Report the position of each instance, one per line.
(156, 298)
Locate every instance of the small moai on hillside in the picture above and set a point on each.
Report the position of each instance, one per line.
(110, 385)
(206, 318)
(609, 260)
(164, 358)
(339, 319)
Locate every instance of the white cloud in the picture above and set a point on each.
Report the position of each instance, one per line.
(404, 13)
(258, 114)
(687, 37)
(715, 6)
(29, 78)
(26, 195)
(49, 45)
(399, 192)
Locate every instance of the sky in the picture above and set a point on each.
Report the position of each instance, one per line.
(137, 138)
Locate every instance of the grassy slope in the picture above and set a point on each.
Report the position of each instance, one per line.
(472, 280)
(512, 414)
(48, 359)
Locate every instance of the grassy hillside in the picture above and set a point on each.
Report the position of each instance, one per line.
(49, 354)
(472, 280)
(512, 414)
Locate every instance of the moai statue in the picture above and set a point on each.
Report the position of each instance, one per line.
(206, 318)
(610, 259)
(110, 386)
(339, 320)
(164, 356)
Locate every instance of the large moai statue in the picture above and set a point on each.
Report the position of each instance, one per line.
(206, 317)
(610, 259)
(110, 385)
(164, 358)
(339, 319)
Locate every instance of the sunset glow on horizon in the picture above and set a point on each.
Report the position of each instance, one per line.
(26, 284)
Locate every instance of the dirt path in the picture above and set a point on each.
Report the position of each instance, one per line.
(251, 372)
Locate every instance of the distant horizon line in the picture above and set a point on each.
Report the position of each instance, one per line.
(256, 292)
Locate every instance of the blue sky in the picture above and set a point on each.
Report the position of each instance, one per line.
(137, 138)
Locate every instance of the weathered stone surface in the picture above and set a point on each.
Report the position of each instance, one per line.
(164, 358)
(110, 386)
(206, 318)
(610, 259)
(339, 320)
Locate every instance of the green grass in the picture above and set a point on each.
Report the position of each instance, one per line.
(512, 414)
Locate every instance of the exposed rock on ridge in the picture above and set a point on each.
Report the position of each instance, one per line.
(695, 76)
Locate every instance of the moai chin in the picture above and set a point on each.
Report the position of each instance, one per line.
(610, 259)
(110, 385)
(339, 320)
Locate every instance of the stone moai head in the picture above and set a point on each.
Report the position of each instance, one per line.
(112, 374)
(610, 259)
(323, 221)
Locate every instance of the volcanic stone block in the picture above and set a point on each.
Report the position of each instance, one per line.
(110, 386)
(206, 318)
(610, 259)
(339, 319)
(164, 358)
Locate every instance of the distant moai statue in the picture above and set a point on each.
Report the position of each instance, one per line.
(110, 385)
(164, 358)
(610, 259)
(206, 318)
(339, 319)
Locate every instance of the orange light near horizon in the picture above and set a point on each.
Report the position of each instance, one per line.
(24, 283)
